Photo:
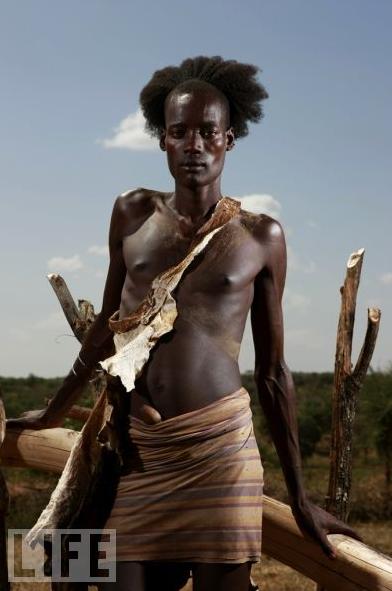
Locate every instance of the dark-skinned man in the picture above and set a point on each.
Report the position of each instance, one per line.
(191, 499)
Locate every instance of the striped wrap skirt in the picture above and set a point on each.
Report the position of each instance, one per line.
(194, 491)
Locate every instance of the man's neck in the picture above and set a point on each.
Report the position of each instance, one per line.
(194, 204)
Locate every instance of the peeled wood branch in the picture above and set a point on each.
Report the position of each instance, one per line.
(46, 449)
(77, 324)
(79, 318)
(356, 567)
(347, 384)
(366, 354)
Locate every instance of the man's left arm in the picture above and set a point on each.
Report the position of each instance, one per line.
(275, 385)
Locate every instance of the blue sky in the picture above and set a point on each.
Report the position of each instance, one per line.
(321, 159)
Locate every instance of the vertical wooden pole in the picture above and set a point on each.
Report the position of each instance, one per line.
(347, 384)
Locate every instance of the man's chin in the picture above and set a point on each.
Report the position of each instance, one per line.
(195, 179)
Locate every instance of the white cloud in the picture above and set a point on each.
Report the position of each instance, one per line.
(312, 224)
(302, 337)
(19, 335)
(386, 278)
(261, 203)
(295, 263)
(54, 320)
(99, 250)
(374, 302)
(295, 301)
(131, 135)
(56, 264)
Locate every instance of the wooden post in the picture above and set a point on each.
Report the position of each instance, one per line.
(347, 383)
(79, 318)
(68, 305)
(4, 506)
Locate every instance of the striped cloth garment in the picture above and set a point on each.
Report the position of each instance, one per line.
(194, 491)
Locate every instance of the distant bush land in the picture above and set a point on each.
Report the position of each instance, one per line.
(372, 446)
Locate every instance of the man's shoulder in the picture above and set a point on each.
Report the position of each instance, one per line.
(261, 226)
(135, 200)
(131, 209)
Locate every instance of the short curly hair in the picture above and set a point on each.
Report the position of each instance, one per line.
(235, 80)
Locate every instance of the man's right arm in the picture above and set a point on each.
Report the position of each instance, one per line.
(98, 340)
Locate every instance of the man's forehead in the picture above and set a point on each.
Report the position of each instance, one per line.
(203, 104)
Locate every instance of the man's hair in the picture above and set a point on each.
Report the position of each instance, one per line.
(235, 80)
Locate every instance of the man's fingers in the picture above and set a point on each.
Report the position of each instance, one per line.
(332, 525)
(319, 536)
(345, 530)
(328, 549)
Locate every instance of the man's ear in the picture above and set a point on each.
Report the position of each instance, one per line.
(230, 143)
(162, 140)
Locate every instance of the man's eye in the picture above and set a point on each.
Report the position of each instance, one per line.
(209, 132)
(176, 133)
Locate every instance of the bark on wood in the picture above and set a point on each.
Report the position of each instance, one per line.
(356, 567)
(347, 383)
(79, 319)
(4, 506)
(72, 314)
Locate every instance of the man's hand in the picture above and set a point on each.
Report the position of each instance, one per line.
(33, 419)
(316, 522)
(142, 409)
(56, 411)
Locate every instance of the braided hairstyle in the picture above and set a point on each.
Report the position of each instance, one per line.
(236, 81)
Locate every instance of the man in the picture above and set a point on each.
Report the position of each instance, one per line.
(192, 496)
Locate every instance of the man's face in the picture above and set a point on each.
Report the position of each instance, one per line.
(197, 136)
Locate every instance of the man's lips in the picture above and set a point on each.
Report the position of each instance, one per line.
(193, 165)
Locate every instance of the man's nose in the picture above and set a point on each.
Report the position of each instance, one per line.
(193, 142)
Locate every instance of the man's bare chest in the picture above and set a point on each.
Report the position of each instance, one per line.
(229, 263)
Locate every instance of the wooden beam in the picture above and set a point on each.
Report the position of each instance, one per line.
(47, 449)
(356, 567)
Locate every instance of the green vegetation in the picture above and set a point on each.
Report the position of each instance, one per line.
(372, 445)
(372, 451)
(33, 392)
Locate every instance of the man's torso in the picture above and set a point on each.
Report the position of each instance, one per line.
(197, 362)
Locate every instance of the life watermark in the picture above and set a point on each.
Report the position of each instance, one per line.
(73, 555)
